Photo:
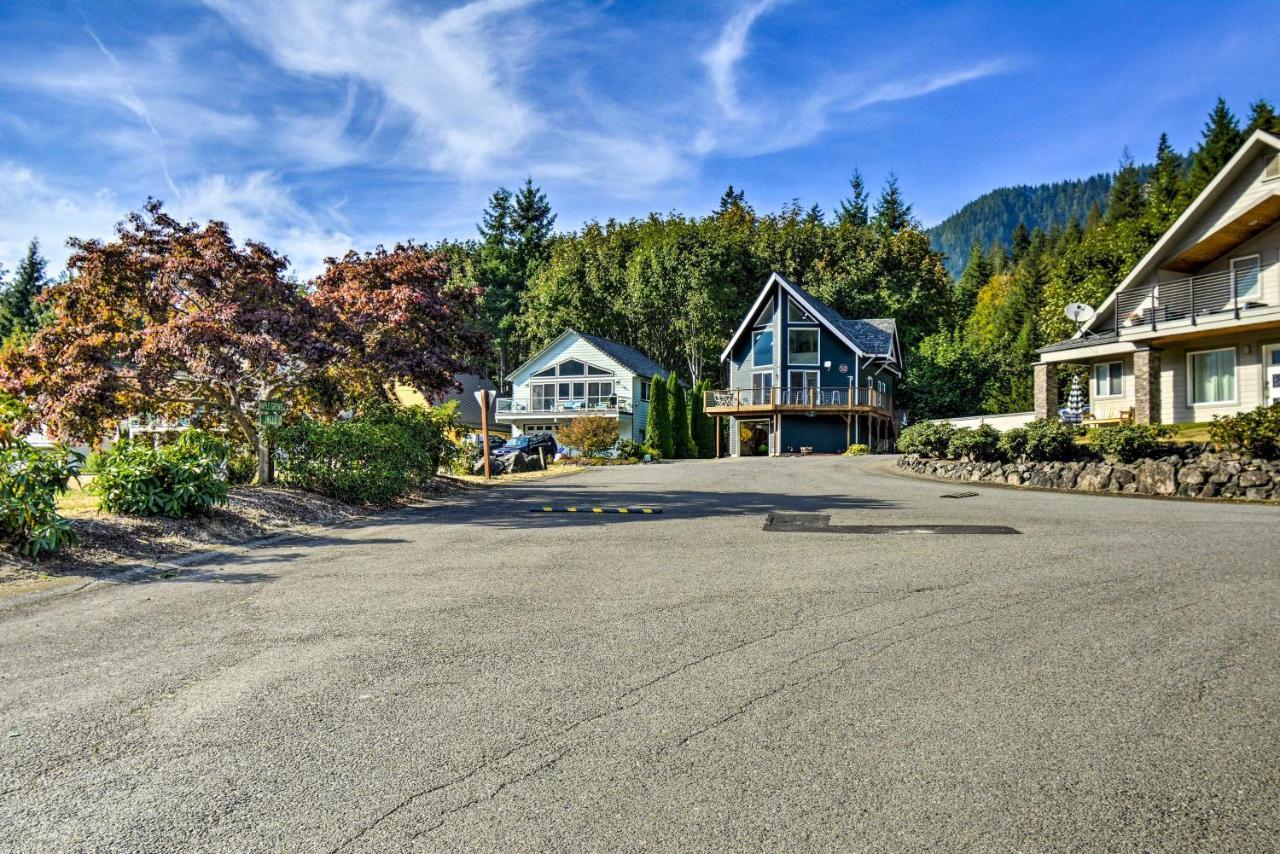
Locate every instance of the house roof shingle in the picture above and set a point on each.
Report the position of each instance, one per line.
(873, 336)
(626, 356)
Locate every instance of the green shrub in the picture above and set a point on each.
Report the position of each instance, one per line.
(1131, 442)
(1257, 433)
(591, 435)
(176, 480)
(375, 458)
(31, 480)
(1012, 444)
(1049, 440)
(857, 451)
(242, 466)
(467, 455)
(93, 462)
(926, 438)
(981, 444)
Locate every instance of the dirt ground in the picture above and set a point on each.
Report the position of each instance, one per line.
(111, 543)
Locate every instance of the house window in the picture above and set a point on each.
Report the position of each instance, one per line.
(1212, 376)
(600, 395)
(765, 317)
(762, 348)
(544, 397)
(572, 368)
(644, 393)
(802, 346)
(1108, 379)
(796, 314)
(1244, 275)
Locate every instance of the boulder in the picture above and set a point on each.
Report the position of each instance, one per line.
(1192, 474)
(1156, 477)
(1253, 478)
(1094, 478)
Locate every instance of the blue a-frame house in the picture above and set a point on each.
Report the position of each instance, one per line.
(801, 377)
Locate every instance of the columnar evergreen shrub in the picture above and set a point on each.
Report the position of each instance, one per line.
(658, 427)
(681, 439)
(374, 458)
(1131, 442)
(1257, 433)
(178, 479)
(701, 425)
(926, 438)
(980, 443)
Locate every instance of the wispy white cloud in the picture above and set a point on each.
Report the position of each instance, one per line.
(723, 57)
(31, 205)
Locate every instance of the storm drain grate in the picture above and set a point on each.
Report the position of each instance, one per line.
(961, 495)
(820, 523)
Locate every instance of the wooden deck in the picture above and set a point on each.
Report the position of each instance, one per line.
(836, 401)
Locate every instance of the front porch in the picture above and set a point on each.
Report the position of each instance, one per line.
(768, 421)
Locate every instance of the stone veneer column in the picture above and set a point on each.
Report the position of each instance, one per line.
(1146, 387)
(1046, 389)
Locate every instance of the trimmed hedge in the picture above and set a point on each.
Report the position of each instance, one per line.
(926, 438)
(1129, 443)
(375, 458)
(1257, 433)
(981, 443)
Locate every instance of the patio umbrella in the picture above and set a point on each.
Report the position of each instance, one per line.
(1073, 413)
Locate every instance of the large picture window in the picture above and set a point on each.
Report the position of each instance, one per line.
(762, 348)
(1108, 379)
(802, 346)
(1212, 376)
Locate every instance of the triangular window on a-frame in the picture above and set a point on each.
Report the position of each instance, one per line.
(796, 314)
(765, 317)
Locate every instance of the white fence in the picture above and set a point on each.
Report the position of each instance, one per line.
(1005, 421)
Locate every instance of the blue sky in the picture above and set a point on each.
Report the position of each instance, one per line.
(322, 125)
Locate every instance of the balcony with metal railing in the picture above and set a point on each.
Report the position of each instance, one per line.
(834, 399)
(1190, 301)
(521, 406)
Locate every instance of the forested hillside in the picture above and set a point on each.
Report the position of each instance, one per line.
(676, 286)
(992, 217)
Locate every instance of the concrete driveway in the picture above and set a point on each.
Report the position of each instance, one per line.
(479, 677)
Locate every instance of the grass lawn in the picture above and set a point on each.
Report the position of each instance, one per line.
(78, 501)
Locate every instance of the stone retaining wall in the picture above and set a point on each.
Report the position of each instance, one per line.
(1208, 475)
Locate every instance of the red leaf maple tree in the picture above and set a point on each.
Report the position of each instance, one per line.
(175, 319)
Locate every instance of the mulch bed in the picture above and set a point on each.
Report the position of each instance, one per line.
(110, 543)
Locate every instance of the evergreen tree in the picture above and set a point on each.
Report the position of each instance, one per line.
(1165, 185)
(1126, 200)
(18, 316)
(854, 210)
(1219, 141)
(531, 225)
(496, 222)
(732, 201)
(1262, 116)
(678, 403)
(893, 213)
(657, 433)
(1020, 243)
(977, 272)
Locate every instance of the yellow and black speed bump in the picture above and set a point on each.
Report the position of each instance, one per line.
(637, 510)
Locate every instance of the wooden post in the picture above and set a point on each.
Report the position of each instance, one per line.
(848, 430)
(484, 429)
(717, 437)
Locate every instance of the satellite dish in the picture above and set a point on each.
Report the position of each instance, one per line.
(1079, 312)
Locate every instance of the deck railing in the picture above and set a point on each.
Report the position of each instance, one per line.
(806, 398)
(1192, 299)
(581, 405)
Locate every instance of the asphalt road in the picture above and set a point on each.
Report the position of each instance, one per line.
(479, 677)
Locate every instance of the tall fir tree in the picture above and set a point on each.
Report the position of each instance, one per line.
(1019, 243)
(496, 222)
(531, 226)
(854, 211)
(657, 431)
(1165, 185)
(977, 271)
(1262, 116)
(18, 315)
(682, 441)
(1219, 140)
(893, 212)
(1126, 199)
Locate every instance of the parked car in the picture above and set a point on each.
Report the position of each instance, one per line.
(530, 444)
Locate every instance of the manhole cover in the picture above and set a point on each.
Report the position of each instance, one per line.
(820, 523)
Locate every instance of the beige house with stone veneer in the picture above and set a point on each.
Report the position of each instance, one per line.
(1194, 330)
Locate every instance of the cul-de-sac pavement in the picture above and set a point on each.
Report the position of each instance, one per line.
(477, 676)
